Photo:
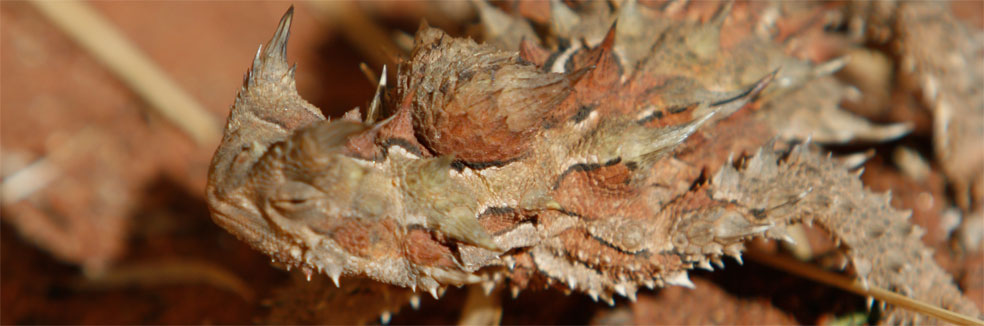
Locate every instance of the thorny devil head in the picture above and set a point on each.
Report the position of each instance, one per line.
(579, 166)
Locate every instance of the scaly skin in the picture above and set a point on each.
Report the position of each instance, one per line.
(488, 168)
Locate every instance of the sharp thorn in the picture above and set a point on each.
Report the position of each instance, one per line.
(780, 232)
(278, 44)
(680, 279)
(488, 286)
(376, 99)
(382, 78)
(307, 272)
(620, 289)
(717, 261)
(385, 317)
(650, 284)
(256, 58)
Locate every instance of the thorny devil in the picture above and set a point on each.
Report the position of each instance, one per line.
(646, 148)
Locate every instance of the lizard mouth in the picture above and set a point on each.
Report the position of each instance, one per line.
(246, 225)
(246, 231)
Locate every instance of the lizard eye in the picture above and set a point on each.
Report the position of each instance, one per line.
(295, 199)
(292, 201)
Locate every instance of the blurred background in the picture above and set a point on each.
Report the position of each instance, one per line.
(103, 216)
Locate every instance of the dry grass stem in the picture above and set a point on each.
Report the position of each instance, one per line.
(105, 42)
(841, 282)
